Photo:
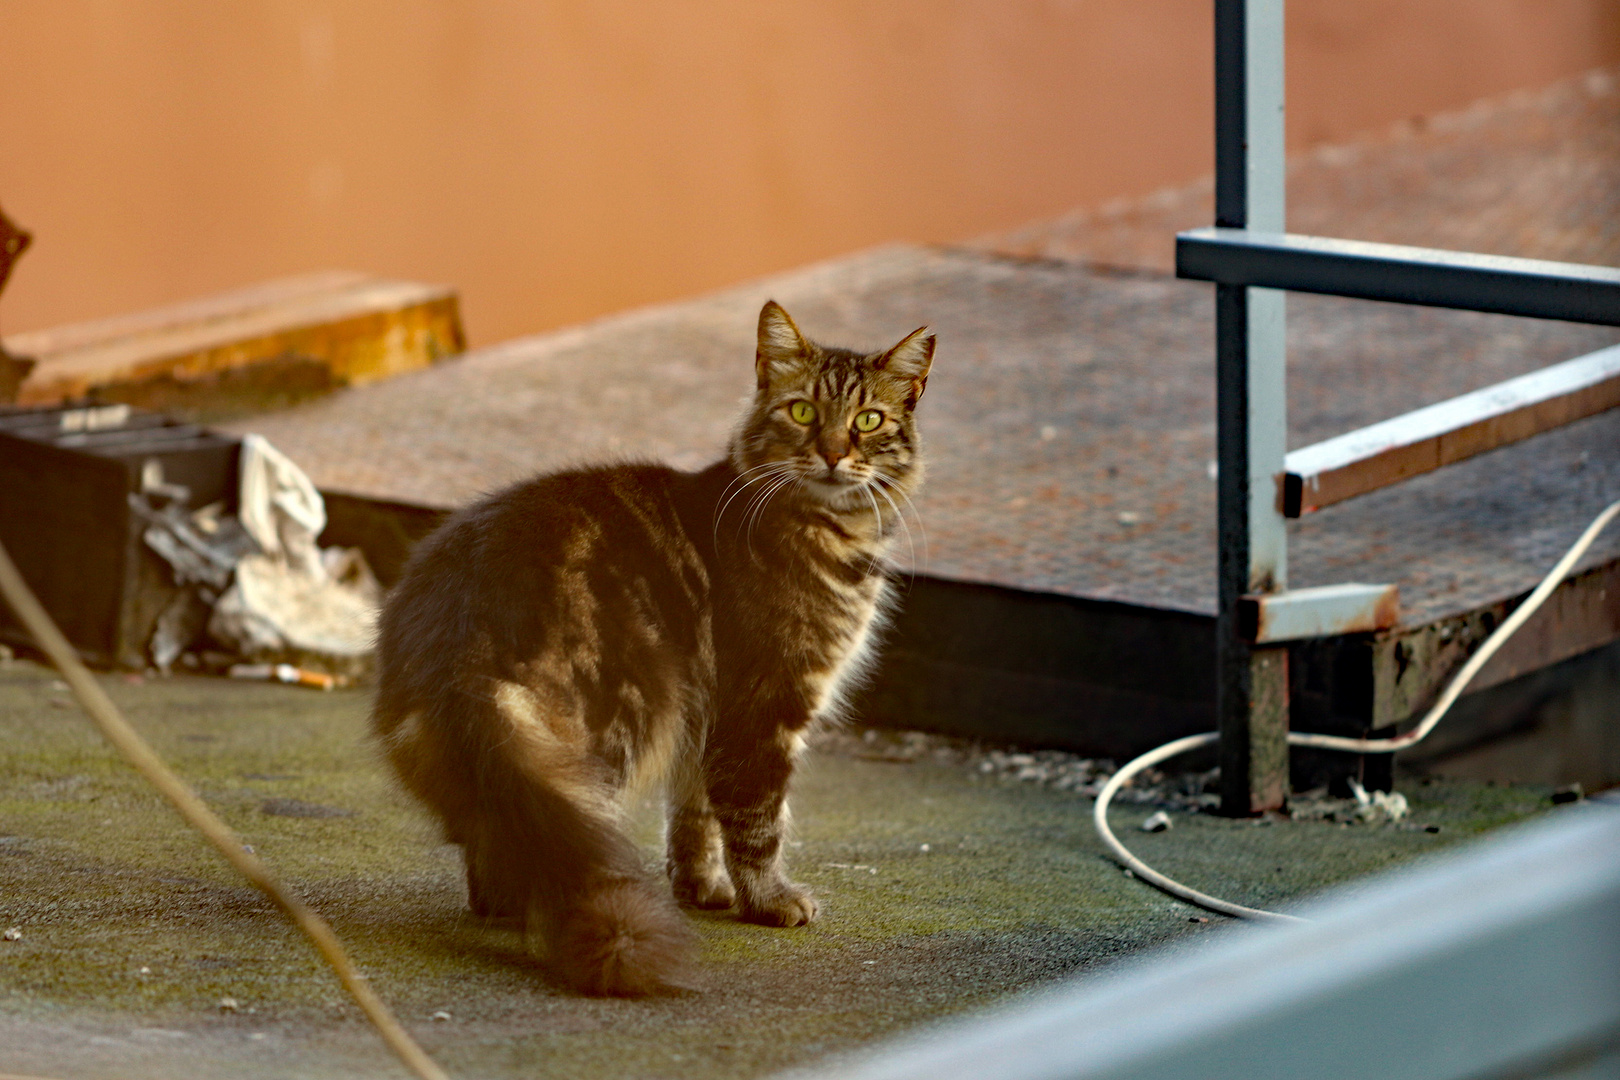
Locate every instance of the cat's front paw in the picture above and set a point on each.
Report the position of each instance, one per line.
(709, 893)
(787, 905)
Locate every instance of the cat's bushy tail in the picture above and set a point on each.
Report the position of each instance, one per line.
(575, 881)
(544, 844)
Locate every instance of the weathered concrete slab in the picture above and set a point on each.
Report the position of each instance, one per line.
(1064, 547)
(1069, 423)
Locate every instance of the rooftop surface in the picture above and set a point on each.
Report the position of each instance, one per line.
(1070, 418)
(1069, 424)
(943, 889)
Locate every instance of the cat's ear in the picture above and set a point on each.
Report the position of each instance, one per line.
(780, 343)
(909, 361)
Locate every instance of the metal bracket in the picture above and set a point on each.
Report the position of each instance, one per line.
(1323, 611)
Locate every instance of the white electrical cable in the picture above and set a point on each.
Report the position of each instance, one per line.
(1169, 750)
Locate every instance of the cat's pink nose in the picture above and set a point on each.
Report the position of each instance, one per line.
(833, 458)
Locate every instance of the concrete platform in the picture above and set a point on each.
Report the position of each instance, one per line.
(1068, 423)
(132, 932)
(1062, 559)
(1070, 504)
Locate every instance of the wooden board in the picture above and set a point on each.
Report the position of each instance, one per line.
(355, 328)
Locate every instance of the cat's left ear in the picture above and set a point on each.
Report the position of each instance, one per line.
(780, 343)
(909, 361)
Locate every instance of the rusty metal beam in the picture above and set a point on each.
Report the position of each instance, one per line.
(1450, 431)
(1321, 611)
(1412, 665)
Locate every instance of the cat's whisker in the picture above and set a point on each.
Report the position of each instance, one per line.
(745, 477)
(769, 482)
(743, 484)
(900, 518)
(907, 503)
(872, 563)
(757, 508)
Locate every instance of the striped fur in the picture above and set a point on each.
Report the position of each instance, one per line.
(582, 634)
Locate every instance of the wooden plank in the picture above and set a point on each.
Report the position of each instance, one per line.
(1442, 434)
(358, 329)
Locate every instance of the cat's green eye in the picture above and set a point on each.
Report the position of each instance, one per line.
(802, 412)
(868, 420)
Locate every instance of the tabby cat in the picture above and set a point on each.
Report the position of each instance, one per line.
(574, 637)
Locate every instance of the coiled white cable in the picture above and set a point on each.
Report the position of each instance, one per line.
(1142, 870)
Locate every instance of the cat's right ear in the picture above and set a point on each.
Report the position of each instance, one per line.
(780, 343)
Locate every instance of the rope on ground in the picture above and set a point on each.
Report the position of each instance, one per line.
(118, 731)
(1495, 641)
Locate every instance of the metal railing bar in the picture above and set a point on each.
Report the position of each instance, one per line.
(1426, 439)
(1534, 288)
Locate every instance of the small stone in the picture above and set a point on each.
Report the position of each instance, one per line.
(228, 1005)
(1198, 918)
(1158, 822)
(1130, 873)
(1129, 517)
(1048, 433)
(442, 1014)
(145, 970)
(922, 847)
(1431, 828)
(13, 933)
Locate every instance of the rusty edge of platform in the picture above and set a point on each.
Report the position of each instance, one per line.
(1113, 679)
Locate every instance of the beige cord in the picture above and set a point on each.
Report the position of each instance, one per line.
(1554, 578)
(196, 813)
(1510, 625)
(1099, 818)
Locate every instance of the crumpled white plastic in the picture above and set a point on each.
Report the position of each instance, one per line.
(1378, 805)
(292, 597)
(280, 507)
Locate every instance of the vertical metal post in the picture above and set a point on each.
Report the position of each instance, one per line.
(1251, 416)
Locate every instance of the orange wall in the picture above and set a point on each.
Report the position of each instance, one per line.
(561, 160)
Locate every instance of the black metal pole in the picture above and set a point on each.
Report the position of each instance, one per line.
(1251, 684)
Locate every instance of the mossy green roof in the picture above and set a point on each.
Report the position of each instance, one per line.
(133, 932)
